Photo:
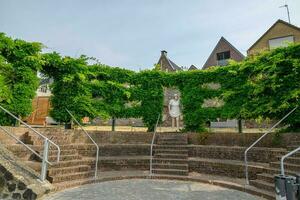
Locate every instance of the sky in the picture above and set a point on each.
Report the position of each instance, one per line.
(131, 33)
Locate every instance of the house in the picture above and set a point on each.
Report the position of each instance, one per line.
(192, 67)
(222, 52)
(166, 64)
(279, 34)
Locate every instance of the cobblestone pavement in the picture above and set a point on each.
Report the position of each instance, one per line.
(143, 189)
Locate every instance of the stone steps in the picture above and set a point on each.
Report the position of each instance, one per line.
(169, 155)
(271, 170)
(66, 170)
(291, 160)
(169, 161)
(170, 166)
(171, 151)
(167, 142)
(71, 176)
(175, 147)
(64, 158)
(266, 177)
(270, 187)
(62, 152)
(83, 161)
(58, 141)
(288, 166)
(171, 172)
(291, 148)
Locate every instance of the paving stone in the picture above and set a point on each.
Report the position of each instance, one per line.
(140, 189)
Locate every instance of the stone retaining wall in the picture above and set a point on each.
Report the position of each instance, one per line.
(12, 188)
(18, 181)
(229, 169)
(237, 139)
(115, 150)
(235, 153)
(109, 137)
(126, 163)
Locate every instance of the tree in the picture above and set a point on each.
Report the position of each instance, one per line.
(22, 61)
(71, 88)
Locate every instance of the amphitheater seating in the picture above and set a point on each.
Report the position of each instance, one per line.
(173, 156)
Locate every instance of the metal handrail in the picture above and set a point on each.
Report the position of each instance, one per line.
(152, 143)
(252, 145)
(284, 157)
(18, 140)
(35, 131)
(97, 153)
(46, 145)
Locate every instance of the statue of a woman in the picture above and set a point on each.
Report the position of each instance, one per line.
(174, 110)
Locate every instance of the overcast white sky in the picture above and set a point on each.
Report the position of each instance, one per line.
(131, 33)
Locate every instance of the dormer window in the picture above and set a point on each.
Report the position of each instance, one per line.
(222, 58)
(281, 42)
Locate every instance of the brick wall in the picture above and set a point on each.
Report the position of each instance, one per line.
(236, 139)
(224, 169)
(235, 153)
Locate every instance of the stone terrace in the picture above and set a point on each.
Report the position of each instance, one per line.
(176, 156)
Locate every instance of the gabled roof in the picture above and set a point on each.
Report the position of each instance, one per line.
(173, 65)
(222, 39)
(170, 62)
(277, 22)
(192, 67)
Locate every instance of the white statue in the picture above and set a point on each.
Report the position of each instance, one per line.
(174, 110)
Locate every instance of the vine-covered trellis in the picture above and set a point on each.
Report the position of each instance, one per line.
(263, 86)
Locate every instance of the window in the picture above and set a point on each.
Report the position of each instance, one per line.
(280, 42)
(222, 58)
(223, 55)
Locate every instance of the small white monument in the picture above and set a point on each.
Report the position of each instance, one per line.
(174, 111)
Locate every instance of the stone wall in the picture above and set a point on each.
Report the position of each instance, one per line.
(229, 169)
(18, 181)
(115, 150)
(126, 163)
(12, 188)
(236, 139)
(235, 153)
(109, 137)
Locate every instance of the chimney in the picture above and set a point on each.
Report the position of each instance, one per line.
(164, 52)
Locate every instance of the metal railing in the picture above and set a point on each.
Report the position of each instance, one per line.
(97, 147)
(46, 145)
(284, 157)
(152, 143)
(252, 145)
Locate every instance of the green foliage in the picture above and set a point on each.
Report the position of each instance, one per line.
(261, 87)
(19, 62)
(265, 86)
(71, 87)
(268, 86)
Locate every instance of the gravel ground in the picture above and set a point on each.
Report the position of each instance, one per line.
(142, 189)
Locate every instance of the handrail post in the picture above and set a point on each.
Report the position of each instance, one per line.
(254, 143)
(152, 143)
(97, 146)
(284, 157)
(45, 160)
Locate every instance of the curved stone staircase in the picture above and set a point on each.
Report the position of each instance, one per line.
(173, 158)
(71, 170)
(265, 180)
